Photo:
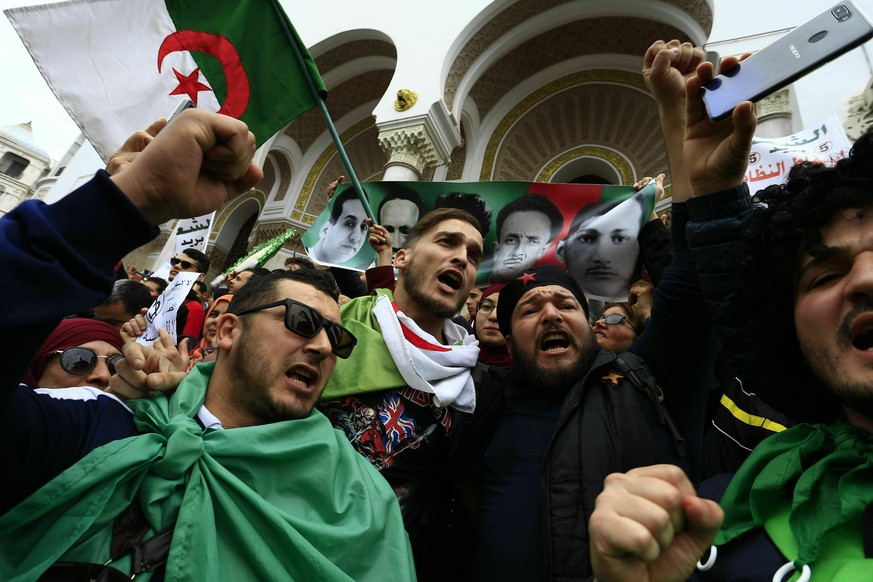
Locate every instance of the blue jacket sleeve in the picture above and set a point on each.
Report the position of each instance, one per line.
(58, 259)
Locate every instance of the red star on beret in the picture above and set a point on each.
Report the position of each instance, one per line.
(526, 278)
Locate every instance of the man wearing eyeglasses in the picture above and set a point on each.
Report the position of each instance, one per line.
(233, 464)
(79, 352)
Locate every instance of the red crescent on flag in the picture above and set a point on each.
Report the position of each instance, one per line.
(221, 48)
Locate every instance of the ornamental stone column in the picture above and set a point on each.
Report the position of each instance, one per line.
(860, 115)
(774, 115)
(416, 144)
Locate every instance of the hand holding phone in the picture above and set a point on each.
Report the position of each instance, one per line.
(835, 31)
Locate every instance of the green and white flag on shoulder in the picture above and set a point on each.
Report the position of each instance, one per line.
(118, 65)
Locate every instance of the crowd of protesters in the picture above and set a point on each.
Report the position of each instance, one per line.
(310, 424)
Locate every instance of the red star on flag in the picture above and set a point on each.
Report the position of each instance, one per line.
(189, 85)
(526, 278)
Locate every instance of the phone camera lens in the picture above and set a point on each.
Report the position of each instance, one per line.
(841, 13)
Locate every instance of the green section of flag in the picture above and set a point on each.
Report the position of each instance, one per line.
(278, 501)
(370, 368)
(279, 91)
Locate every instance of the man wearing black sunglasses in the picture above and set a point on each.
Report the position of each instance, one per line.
(189, 320)
(161, 463)
(79, 352)
(190, 261)
(295, 316)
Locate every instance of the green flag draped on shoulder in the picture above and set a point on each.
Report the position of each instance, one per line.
(370, 368)
(284, 501)
(117, 65)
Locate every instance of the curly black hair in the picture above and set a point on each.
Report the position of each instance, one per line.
(788, 223)
(472, 203)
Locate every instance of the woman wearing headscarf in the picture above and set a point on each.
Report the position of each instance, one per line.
(205, 348)
(492, 343)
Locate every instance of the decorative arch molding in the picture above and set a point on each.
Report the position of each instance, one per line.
(369, 86)
(282, 163)
(460, 155)
(557, 74)
(498, 32)
(271, 173)
(265, 231)
(366, 64)
(574, 162)
(232, 216)
(361, 144)
(360, 40)
(629, 37)
(357, 67)
(600, 108)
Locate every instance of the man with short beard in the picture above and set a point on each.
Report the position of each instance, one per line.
(569, 413)
(397, 396)
(232, 476)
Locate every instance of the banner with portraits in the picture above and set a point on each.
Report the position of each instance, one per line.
(591, 230)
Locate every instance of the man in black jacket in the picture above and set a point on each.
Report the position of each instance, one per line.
(545, 436)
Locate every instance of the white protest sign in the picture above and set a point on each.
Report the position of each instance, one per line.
(193, 233)
(771, 159)
(162, 313)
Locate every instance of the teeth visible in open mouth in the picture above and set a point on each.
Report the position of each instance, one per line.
(299, 377)
(451, 280)
(555, 342)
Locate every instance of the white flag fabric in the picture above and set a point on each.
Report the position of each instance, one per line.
(427, 365)
(118, 65)
(82, 48)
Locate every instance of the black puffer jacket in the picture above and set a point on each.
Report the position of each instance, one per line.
(603, 428)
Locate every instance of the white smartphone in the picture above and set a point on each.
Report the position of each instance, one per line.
(835, 31)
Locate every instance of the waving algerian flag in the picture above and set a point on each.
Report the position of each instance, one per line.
(117, 65)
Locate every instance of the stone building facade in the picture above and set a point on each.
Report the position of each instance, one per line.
(473, 90)
(22, 164)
